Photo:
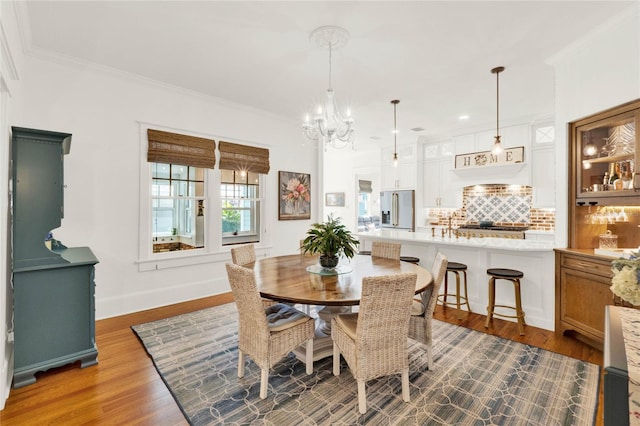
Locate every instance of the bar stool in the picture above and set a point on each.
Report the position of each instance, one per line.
(456, 268)
(509, 275)
(410, 259)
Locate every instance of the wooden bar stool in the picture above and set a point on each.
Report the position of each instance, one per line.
(455, 268)
(410, 259)
(509, 275)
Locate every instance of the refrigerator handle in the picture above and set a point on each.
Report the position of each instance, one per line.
(394, 209)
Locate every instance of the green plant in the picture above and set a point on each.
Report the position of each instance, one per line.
(330, 238)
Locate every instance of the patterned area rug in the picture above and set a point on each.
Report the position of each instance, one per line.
(478, 379)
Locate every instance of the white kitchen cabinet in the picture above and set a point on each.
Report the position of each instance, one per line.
(403, 176)
(542, 180)
(440, 187)
(465, 143)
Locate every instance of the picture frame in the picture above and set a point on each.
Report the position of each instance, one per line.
(334, 199)
(294, 195)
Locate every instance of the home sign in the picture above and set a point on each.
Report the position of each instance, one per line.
(488, 159)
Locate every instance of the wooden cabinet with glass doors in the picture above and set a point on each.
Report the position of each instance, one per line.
(604, 151)
(604, 199)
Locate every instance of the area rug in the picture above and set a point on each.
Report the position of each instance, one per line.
(478, 379)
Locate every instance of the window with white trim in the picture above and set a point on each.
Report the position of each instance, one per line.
(177, 206)
(240, 202)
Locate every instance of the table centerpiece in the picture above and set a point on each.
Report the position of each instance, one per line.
(330, 239)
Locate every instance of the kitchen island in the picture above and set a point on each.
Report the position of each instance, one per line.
(534, 257)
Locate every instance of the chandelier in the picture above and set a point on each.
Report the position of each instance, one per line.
(328, 124)
(497, 145)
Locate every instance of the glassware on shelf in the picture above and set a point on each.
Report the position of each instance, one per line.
(608, 148)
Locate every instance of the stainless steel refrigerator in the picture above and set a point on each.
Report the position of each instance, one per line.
(397, 209)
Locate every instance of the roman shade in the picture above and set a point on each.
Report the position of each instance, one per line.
(234, 156)
(173, 148)
(365, 186)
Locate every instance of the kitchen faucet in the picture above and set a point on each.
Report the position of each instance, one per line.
(450, 218)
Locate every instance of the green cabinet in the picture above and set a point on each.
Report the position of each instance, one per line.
(53, 290)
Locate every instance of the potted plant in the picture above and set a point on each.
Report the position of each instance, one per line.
(331, 239)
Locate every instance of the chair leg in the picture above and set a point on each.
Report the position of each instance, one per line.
(429, 357)
(466, 295)
(446, 288)
(240, 363)
(519, 311)
(264, 381)
(458, 294)
(405, 385)
(336, 360)
(492, 298)
(362, 397)
(309, 357)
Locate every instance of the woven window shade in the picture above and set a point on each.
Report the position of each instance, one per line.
(364, 186)
(234, 156)
(173, 148)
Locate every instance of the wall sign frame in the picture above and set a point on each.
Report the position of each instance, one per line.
(487, 159)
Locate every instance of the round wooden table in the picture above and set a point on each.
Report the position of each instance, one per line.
(287, 279)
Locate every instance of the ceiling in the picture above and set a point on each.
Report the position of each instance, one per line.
(435, 56)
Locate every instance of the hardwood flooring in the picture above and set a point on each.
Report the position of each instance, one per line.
(124, 388)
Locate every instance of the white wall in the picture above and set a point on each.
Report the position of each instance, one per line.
(599, 72)
(102, 111)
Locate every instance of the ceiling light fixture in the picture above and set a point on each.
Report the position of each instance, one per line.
(395, 103)
(497, 145)
(328, 124)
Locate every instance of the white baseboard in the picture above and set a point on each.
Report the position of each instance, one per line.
(6, 377)
(162, 296)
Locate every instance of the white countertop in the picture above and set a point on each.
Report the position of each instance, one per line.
(426, 238)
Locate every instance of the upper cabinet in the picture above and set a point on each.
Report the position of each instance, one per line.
(603, 151)
(404, 175)
(440, 188)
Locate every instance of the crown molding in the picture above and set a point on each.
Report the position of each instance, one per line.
(8, 70)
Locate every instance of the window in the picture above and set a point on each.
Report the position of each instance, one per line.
(190, 204)
(544, 133)
(240, 201)
(177, 200)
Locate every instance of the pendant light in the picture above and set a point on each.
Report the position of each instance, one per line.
(395, 103)
(497, 145)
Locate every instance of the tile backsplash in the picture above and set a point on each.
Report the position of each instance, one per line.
(501, 204)
(507, 205)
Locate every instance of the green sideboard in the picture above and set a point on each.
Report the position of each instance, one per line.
(53, 289)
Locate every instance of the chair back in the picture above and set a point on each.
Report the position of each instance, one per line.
(385, 250)
(383, 319)
(243, 255)
(247, 298)
(430, 297)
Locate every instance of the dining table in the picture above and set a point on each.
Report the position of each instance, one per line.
(299, 279)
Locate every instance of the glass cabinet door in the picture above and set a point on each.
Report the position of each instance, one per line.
(606, 152)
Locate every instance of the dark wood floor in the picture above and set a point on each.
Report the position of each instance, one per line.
(124, 388)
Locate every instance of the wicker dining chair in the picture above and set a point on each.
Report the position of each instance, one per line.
(267, 334)
(422, 310)
(373, 341)
(385, 250)
(244, 255)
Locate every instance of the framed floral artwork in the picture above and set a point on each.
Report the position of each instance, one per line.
(294, 196)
